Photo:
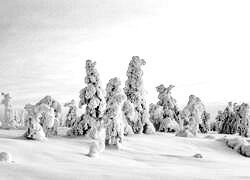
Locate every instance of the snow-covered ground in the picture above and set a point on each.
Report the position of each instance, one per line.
(159, 156)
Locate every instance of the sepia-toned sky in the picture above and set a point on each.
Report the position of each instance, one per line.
(202, 47)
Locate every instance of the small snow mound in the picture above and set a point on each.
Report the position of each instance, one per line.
(198, 156)
(93, 150)
(184, 133)
(5, 157)
(235, 142)
(209, 137)
(239, 144)
(114, 146)
(245, 150)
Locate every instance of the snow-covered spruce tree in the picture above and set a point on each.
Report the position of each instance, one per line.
(204, 126)
(243, 120)
(165, 114)
(113, 118)
(227, 120)
(8, 119)
(71, 116)
(156, 115)
(128, 116)
(93, 97)
(192, 116)
(134, 91)
(219, 120)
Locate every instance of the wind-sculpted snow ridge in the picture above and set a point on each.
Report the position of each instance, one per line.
(194, 117)
(93, 97)
(234, 119)
(135, 109)
(165, 115)
(42, 119)
(71, 116)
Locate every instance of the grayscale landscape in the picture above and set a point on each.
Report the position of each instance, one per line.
(124, 89)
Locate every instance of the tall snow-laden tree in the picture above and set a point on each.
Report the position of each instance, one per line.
(92, 97)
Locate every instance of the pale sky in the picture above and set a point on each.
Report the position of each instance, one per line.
(202, 47)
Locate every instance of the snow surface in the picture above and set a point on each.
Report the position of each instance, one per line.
(159, 156)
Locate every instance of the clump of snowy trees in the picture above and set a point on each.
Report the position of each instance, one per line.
(42, 119)
(165, 115)
(92, 97)
(234, 119)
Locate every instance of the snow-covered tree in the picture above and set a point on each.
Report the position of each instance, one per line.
(135, 96)
(204, 126)
(243, 120)
(227, 120)
(71, 116)
(165, 114)
(193, 115)
(93, 97)
(49, 110)
(113, 118)
(42, 118)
